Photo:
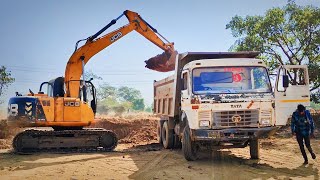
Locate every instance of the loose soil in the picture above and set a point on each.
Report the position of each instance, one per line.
(138, 156)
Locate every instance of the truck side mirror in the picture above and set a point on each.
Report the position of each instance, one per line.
(285, 81)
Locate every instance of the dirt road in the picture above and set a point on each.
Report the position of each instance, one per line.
(280, 159)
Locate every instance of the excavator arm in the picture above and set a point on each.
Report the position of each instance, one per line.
(95, 44)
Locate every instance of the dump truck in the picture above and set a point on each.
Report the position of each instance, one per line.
(220, 100)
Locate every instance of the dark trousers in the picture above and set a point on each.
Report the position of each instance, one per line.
(306, 139)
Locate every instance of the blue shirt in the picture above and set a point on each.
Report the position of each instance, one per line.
(302, 124)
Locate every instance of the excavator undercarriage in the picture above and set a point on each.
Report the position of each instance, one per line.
(88, 139)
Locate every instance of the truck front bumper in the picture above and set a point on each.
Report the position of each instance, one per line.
(230, 134)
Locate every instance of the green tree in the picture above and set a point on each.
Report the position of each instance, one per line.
(133, 96)
(138, 104)
(128, 94)
(106, 91)
(315, 106)
(119, 100)
(5, 80)
(316, 97)
(107, 97)
(149, 108)
(287, 35)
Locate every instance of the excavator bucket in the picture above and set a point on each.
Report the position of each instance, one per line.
(164, 62)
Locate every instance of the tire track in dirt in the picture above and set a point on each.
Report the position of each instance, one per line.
(275, 163)
(151, 166)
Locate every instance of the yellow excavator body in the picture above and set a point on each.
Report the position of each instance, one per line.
(70, 102)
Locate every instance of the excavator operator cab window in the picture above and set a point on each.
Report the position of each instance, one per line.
(47, 88)
(55, 87)
(88, 94)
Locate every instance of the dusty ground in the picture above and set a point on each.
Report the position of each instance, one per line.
(280, 159)
(139, 157)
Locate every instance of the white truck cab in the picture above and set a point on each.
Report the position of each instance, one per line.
(225, 100)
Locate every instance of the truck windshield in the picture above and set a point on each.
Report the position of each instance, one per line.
(214, 80)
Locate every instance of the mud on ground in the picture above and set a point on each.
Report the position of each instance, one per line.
(280, 159)
(139, 157)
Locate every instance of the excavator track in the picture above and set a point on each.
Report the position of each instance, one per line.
(85, 140)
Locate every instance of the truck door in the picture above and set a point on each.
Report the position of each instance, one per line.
(185, 97)
(292, 88)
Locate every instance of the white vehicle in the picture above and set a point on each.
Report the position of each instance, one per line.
(225, 100)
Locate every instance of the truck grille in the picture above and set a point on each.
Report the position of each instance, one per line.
(204, 115)
(236, 118)
(266, 114)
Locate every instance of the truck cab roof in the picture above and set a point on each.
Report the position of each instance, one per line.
(191, 56)
(225, 62)
(187, 57)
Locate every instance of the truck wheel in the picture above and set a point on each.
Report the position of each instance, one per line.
(177, 142)
(254, 149)
(188, 147)
(167, 136)
(159, 128)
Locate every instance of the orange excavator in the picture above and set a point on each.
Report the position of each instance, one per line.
(70, 102)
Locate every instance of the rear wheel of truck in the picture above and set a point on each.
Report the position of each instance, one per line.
(167, 136)
(188, 147)
(254, 148)
(159, 130)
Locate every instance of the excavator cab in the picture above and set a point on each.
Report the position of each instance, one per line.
(56, 88)
(25, 111)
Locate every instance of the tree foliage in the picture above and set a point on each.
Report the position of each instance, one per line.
(287, 35)
(106, 91)
(5, 80)
(119, 100)
(128, 94)
(138, 104)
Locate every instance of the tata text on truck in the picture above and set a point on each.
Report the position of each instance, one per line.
(225, 100)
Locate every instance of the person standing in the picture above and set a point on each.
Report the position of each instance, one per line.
(303, 127)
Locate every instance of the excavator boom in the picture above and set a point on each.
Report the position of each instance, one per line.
(94, 44)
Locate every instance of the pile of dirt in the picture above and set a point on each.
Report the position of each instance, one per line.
(5, 143)
(3, 129)
(135, 129)
(6, 134)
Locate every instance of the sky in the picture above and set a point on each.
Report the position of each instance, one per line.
(38, 37)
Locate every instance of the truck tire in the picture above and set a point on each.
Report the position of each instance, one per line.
(167, 136)
(254, 148)
(188, 147)
(159, 128)
(177, 142)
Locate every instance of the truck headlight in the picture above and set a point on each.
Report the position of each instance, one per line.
(204, 123)
(265, 122)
